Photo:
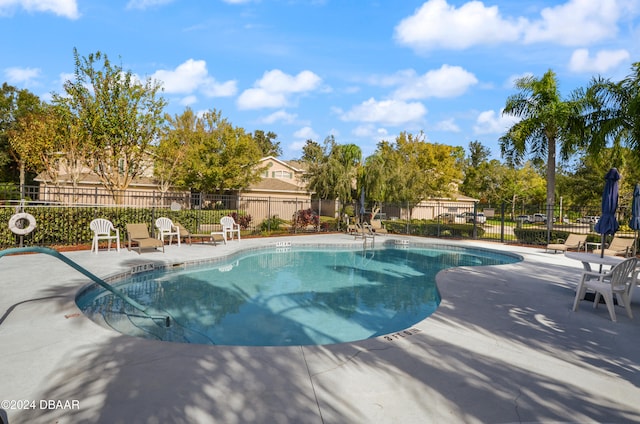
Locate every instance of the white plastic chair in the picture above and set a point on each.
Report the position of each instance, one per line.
(103, 229)
(619, 282)
(229, 226)
(166, 228)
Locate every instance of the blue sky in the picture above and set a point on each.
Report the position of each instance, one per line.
(358, 69)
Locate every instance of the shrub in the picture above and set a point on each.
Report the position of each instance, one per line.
(538, 235)
(427, 228)
(244, 221)
(305, 217)
(271, 224)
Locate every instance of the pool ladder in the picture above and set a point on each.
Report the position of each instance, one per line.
(145, 310)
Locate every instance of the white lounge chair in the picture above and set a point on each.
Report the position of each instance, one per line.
(618, 281)
(166, 228)
(229, 227)
(103, 229)
(573, 241)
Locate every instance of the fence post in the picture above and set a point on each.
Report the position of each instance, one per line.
(549, 222)
(319, 213)
(408, 218)
(295, 218)
(438, 209)
(269, 214)
(502, 222)
(475, 220)
(153, 213)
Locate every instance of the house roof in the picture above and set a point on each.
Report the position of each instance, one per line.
(295, 165)
(276, 185)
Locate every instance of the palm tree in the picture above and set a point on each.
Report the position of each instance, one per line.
(545, 120)
(614, 112)
(333, 169)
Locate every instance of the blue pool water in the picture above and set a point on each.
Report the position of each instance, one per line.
(290, 296)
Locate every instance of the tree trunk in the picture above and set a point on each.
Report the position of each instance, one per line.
(22, 178)
(551, 179)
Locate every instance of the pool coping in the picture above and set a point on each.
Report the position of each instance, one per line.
(503, 346)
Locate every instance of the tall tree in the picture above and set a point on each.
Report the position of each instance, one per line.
(219, 157)
(170, 153)
(120, 117)
(545, 120)
(333, 170)
(47, 141)
(613, 113)
(522, 185)
(475, 171)
(267, 143)
(414, 170)
(376, 176)
(312, 152)
(14, 103)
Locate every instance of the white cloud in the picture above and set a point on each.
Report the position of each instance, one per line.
(603, 61)
(488, 122)
(145, 4)
(306, 133)
(189, 100)
(279, 116)
(65, 8)
(192, 76)
(392, 112)
(275, 88)
(24, 76)
(448, 81)
(278, 81)
(448, 125)
(257, 98)
(212, 88)
(436, 24)
(370, 131)
(576, 22)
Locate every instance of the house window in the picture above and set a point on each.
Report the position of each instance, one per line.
(281, 174)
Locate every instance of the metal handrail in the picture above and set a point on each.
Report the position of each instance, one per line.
(93, 277)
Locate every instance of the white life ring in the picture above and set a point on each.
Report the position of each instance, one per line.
(20, 230)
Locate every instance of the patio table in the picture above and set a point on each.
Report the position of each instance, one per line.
(594, 258)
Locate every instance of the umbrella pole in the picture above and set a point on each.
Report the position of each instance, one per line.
(601, 251)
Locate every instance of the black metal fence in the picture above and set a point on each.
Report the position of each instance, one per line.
(63, 216)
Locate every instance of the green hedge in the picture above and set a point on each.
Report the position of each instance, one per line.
(539, 236)
(433, 229)
(70, 226)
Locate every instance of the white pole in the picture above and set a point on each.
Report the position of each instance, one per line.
(561, 219)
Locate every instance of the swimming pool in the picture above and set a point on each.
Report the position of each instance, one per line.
(297, 295)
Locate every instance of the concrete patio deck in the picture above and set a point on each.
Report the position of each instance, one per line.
(503, 347)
